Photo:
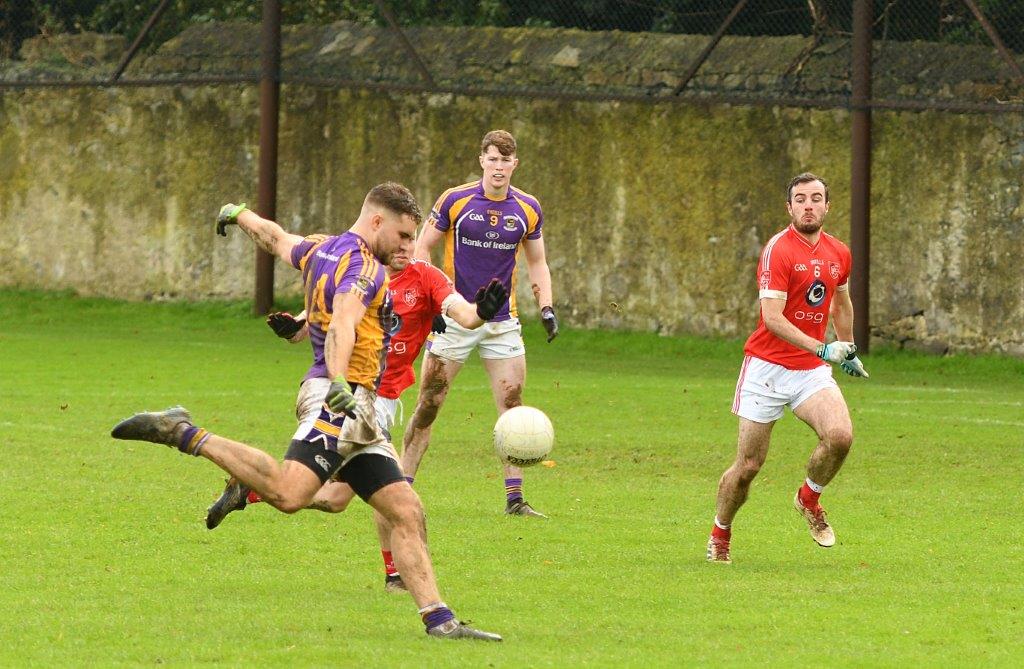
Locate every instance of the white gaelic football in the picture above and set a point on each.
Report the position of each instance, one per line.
(523, 436)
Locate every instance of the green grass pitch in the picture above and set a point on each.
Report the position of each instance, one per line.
(105, 559)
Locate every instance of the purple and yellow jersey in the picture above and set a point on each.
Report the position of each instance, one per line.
(334, 266)
(483, 237)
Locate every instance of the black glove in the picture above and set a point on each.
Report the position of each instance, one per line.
(550, 322)
(438, 325)
(490, 299)
(284, 324)
(340, 399)
(228, 216)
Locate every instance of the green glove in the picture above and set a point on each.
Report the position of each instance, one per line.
(340, 398)
(228, 216)
(854, 367)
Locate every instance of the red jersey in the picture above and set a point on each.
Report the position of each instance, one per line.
(416, 296)
(807, 277)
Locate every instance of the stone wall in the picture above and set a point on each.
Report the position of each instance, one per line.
(655, 213)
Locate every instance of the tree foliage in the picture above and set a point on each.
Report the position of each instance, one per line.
(932, 20)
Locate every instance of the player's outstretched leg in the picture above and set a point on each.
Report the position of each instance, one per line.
(160, 427)
(287, 486)
(234, 498)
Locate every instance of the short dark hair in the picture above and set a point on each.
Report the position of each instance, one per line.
(803, 178)
(396, 198)
(502, 139)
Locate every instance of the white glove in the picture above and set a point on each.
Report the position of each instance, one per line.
(854, 367)
(837, 351)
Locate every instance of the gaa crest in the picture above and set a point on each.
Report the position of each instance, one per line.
(361, 286)
(764, 280)
(410, 297)
(833, 269)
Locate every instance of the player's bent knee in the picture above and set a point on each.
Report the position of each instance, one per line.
(407, 514)
(291, 504)
(332, 498)
(335, 506)
(840, 439)
(306, 468)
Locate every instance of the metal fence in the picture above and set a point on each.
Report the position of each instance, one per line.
(859, 55)
(957, 55)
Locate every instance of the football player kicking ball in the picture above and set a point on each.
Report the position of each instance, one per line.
(420, 293)
(803, 277)
(347, 299)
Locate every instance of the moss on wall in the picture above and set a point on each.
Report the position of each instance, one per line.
(655, 214)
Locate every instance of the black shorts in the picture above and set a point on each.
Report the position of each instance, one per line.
(366, 473)
(369, 472)
(321, 461)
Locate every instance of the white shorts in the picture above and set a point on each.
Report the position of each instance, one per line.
(358, 436)
(385, 408)
(764, 388)
(307, 405)
(497, 341)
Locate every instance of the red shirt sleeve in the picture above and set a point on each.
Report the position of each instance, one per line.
(773, 271)
(847, 267)
(437, 285)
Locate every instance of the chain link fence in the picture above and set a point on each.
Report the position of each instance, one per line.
(963, 55)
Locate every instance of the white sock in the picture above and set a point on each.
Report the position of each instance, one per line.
(814, 486)
(432, 607)
(719, 524)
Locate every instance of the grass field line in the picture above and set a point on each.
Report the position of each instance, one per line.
(929, 389)
(965, 419)
(193, 395)
(957, 401)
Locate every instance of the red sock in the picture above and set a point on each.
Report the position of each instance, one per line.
(253, 497)
(808, 497)
(718, 533)
(389, 563)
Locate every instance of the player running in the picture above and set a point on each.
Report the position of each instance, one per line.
(484, 224)
(419, 292)
(346, 298)
(803, 277)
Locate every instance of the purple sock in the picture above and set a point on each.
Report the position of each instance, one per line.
(410, 479)
(513, 490)
(192, 440)
(438, 616)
